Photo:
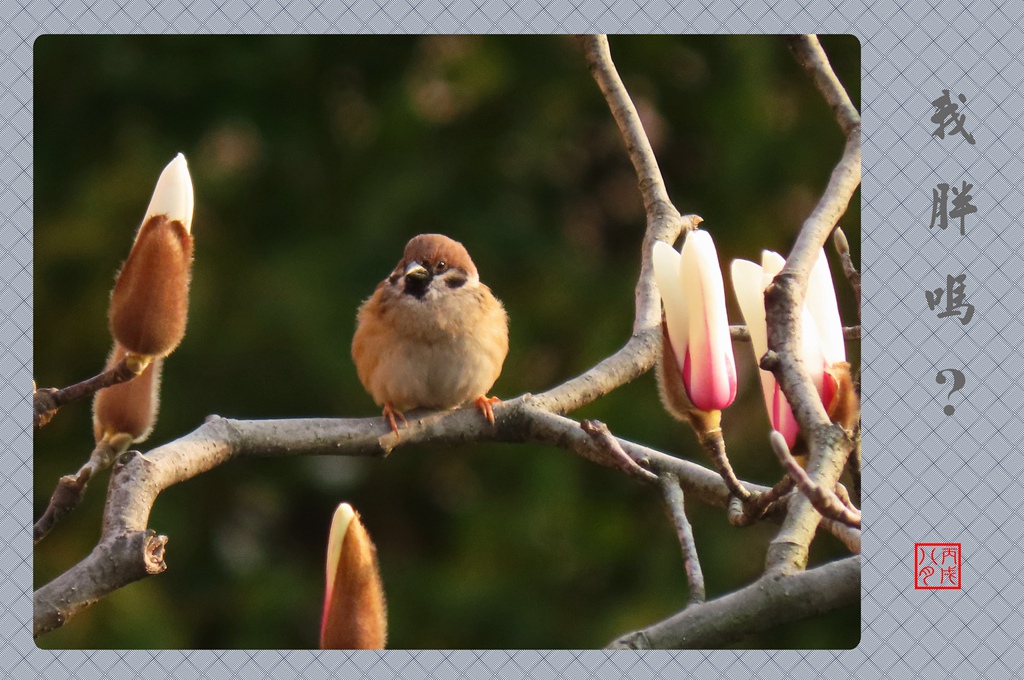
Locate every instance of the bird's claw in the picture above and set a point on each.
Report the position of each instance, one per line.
(484, 404)
(389, 414)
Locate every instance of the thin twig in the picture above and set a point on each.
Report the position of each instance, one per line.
(844, 497)
(824, 500)
(852, 275)
(47, 400)
(809, 54)
(652, 186)
(607, 443)
(674, 499)
(714, 446)
(71, 488)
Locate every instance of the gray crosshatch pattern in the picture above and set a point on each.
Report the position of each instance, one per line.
(927, 477)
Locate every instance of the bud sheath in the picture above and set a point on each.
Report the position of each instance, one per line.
(149, 303)
(355, 615)
(127, 409)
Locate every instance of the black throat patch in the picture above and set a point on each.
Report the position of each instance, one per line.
(417, 287)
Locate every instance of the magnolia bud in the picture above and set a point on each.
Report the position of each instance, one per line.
(149, 303)
(126, 412)
(355, 614)
(697, 373)
(822, 350)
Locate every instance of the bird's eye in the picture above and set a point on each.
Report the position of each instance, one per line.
(440, 266)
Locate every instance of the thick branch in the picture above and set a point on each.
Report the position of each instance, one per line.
(137, 480)
(116, 562)
(829, 444)
(768, 602)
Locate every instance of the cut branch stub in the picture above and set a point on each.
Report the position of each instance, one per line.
(114, 563)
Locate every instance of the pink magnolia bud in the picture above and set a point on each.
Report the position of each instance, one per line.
(693, 294)
(822, 344)
(355, 615)
(149, 303)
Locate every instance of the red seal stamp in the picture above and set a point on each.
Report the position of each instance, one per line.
(937, 566)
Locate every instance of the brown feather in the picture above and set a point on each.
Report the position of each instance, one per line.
(440, 351)
(433, 248)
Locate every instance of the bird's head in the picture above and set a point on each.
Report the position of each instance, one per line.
(432, 264)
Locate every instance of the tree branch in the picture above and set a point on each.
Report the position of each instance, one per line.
(137, 480)
(852, 275)
(675, 501)
(117, 561)
(809, 54)
(71, 488)
(664, 223)
(829, 444)
(47, 400)
(742, 514)
(824, 500)
(606, 442)
(766, 603)
(741, 334)
(714, 447)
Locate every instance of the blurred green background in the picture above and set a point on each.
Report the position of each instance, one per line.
(314, 160)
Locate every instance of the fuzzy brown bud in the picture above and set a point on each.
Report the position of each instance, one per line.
(845, 407)
(355, 614)
(149, 303)
(127, 411)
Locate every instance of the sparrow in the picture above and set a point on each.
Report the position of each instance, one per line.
(431, 335)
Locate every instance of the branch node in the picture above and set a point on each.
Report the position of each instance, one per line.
(852, 275)
(637, 640)
(824, 500)
(770, 361)
(613, 451)
(125, 459)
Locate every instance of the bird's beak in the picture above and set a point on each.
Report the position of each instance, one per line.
(417, 279)
(417, 271)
